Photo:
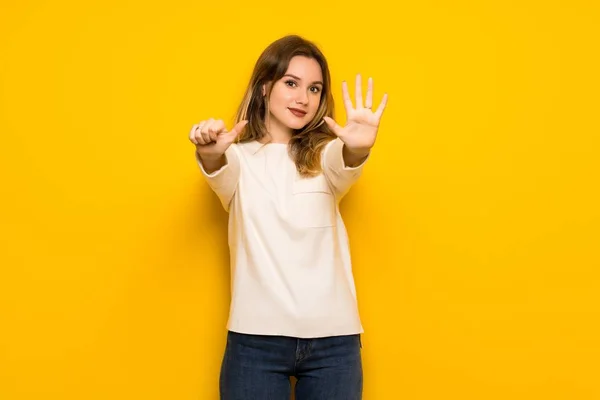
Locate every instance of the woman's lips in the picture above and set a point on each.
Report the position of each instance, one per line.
(297, 113)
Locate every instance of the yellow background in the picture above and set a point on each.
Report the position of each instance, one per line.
(474, 229)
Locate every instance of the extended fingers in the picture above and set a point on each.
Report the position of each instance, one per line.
(358, 95)
(358, 92)
(381, 107)
(334, 126)
(369, 99)
(238, 128)
(346, 97)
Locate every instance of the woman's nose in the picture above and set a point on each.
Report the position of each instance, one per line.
(302, 98)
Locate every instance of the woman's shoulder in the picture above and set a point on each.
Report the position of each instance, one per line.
(247, 146)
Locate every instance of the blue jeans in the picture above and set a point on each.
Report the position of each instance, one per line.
(258, 367)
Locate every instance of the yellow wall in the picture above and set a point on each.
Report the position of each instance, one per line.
(475, 228)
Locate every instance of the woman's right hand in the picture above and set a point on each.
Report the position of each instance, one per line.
(212, 138)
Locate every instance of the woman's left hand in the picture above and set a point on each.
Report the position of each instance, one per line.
(362, 123)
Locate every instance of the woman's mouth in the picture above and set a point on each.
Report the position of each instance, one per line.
(297, 113)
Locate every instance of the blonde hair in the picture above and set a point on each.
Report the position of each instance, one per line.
(306, 144)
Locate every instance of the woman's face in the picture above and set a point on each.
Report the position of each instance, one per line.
(296, 96)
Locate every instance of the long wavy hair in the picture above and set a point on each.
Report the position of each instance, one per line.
(306, 144)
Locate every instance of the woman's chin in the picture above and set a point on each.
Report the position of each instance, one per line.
(296, 124)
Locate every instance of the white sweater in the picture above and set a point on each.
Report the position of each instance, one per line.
(291, 272)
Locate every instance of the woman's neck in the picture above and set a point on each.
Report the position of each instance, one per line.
(276, 133)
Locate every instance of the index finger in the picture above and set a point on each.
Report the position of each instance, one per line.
(381, 107)
(346, 97)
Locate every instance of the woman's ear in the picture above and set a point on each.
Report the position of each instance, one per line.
(265, 88)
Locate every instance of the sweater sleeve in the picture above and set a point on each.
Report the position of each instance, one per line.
(340, 176)
(224, 181)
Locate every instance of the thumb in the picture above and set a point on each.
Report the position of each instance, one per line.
(333, 126)
(237, 129)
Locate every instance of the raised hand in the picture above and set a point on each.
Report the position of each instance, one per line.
(212, 138)
(362, 123)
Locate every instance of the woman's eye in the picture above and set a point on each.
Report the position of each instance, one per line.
(315, 89)
(290, 83)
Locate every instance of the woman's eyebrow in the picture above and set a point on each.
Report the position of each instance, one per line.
(295, 77)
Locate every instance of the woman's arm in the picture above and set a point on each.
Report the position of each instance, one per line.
(344, 157)
(217, 157)
(222, 175)
(341, 167)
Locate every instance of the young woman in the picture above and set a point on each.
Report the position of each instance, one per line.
(280, 173)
